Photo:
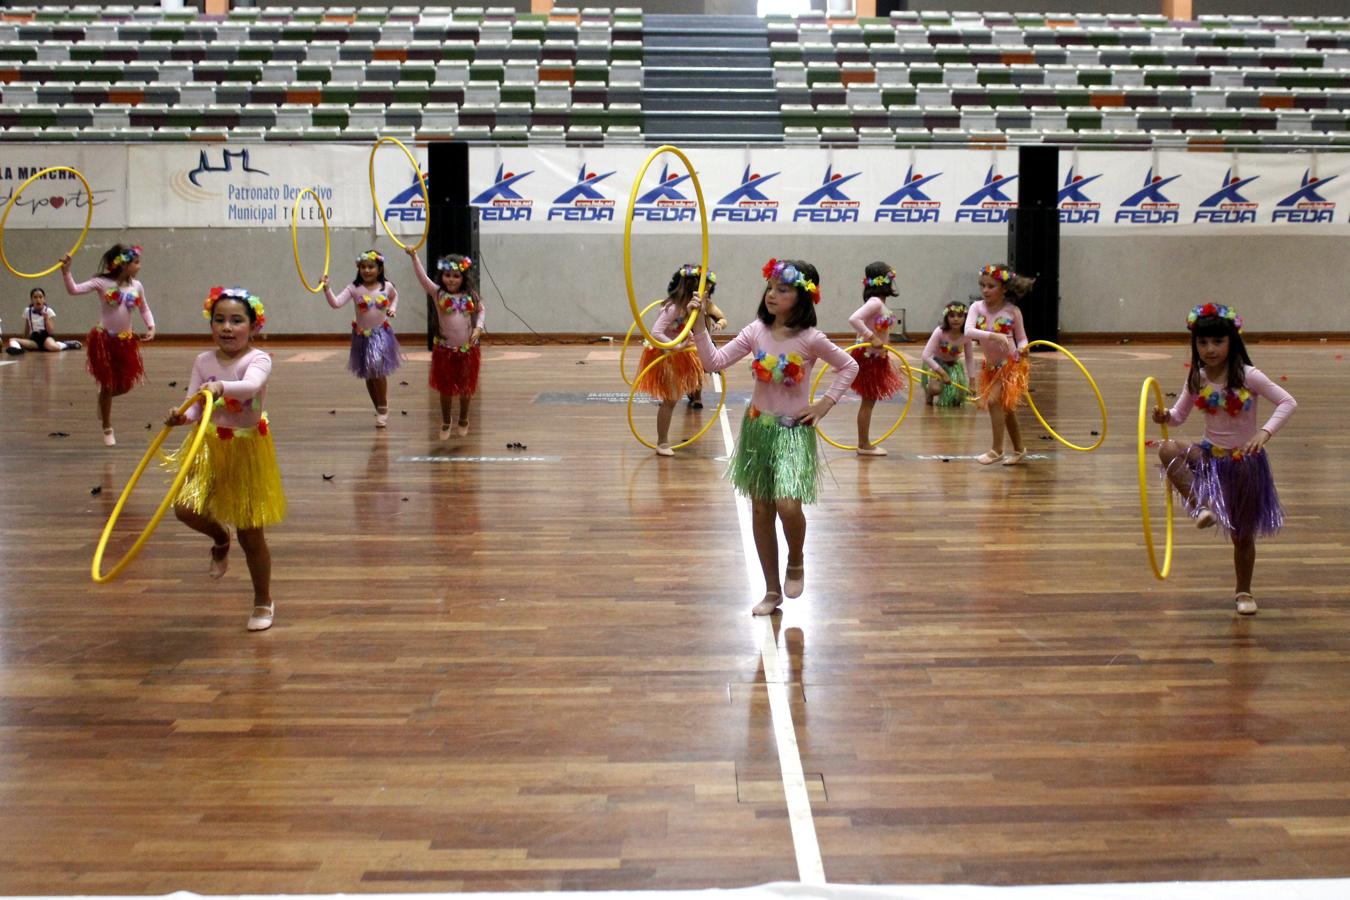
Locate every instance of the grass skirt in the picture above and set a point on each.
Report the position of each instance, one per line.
(454, 371)
(679, 375)
(879, 377)
(773, 461)
(1015, 377)
(950, 395)
(1239, 490)
(375, 356)
(114, 359)
(234, 480)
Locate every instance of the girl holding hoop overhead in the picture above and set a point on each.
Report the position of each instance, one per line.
(375, 352)
(943, 353)
(680, 375)
(1225, 478)
(995, 321)
(456, 359)
(774, 463)
(112, 349)
(878, 378)
(37, 328)
(234, 481)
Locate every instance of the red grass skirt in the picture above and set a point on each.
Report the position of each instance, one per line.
(878, 376)
(113, 360)
(1014, 377)
(679, 375)
(454, 372)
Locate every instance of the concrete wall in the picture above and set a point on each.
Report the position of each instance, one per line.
(574, 285)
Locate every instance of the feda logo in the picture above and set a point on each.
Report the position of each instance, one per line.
(1305, 205)
(665, 204)
(910, 204)
(746, 203)
(1150, 206)
(408, 205)
(988, 205)
(1227, 206)
(582, 202)
(1075, 207)
(828, 203)
(501, 203)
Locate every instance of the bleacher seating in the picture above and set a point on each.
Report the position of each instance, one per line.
(619, 76)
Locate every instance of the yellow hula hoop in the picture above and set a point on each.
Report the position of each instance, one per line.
(917, 378)
(701, 432)
(79, 242)
(426, 198)
(1101, 404)
(198, 436)
(1151, 387)
(295, 241)
(909, 397)
(623, 351)
(628, 247)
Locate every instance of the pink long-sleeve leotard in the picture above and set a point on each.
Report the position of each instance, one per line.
(780, 398)
(943, 351)
(458, 313)
(872, 319)
(1232, 430)
(374, 305)
(985, 328)
(118, 301)
(242, 402)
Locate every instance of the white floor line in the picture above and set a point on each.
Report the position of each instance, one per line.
(810, 868)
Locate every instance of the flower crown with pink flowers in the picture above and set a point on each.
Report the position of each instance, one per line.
(371, 256)
(880, 280)
(129, 255)
(446, 264)
(998, 273)
(1213, 311)
(784, 272)
(955, 309)
(242, 295)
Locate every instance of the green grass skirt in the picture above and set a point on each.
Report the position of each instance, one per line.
(774, 462)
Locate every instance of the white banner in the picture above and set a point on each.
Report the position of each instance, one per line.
(883, 191)
(247, 186)
(59, 200)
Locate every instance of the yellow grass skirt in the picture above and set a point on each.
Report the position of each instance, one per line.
(234, 479)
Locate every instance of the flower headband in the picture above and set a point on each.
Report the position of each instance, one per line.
(786, 273)
(998, 272)
(129, 255)
(1213, 311)
(692, 271)
(955, 309)
(880, 280)
(243, 295)
(446, 264)
(371, 256)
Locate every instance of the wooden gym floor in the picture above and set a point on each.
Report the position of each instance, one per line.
(499, 669)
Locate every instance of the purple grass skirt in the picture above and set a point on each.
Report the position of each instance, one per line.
(375, 355)
(1239, 490)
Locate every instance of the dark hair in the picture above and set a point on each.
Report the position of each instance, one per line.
(248, 307)
(877, 270)
(1214, 327)
(36, 290)
(946, 316)
(804, 311)
(681, 288)
(357, 282)
(469, 282)
(1017, 287)
(106, 263)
